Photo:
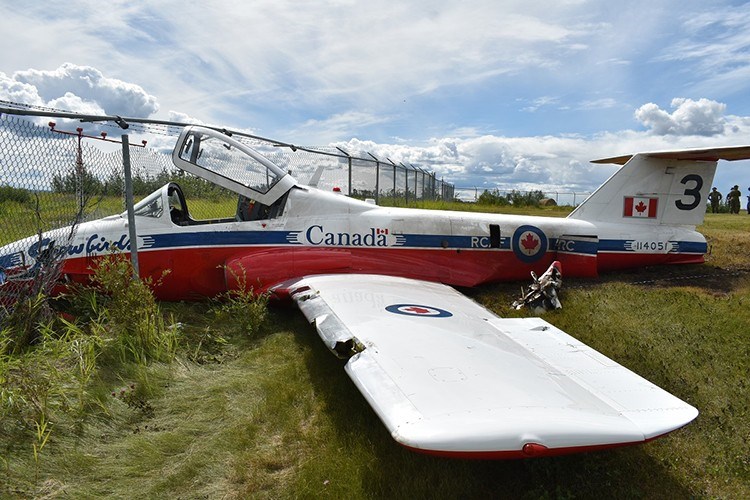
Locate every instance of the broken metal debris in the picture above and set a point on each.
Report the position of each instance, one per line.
(542, 294)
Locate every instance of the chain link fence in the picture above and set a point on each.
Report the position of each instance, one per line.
(55, 176)
(51, 177)
(476, 194)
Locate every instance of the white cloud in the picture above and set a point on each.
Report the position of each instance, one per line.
(180, 117)
(72, 102)
(340, 124)
(15, 91)
(324, 54)
(701, 117)
(80, 89)
(553, 163)
(713, 51)
(83, 89)
(541, 102)
(332, 70)
(491, 161)
(601, 103)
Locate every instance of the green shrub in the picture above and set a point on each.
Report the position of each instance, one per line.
(493, 197)
(242, 310)
(515, 198)
(19, 195)
(133, 318)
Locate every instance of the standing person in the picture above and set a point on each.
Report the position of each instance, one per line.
(748, 202)
(733, 198)
(715, 198)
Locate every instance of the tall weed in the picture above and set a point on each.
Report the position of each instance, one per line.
(134, 321)
(21, 328)
(34, 383)
(242, 310)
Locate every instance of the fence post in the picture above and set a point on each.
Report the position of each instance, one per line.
(80, 173)
(349, 160)
(394, 177)
(394, 183)
(406, 188)
(377, 182)
(129, 205)
(423, 182)
(416, 183)
(377, 176)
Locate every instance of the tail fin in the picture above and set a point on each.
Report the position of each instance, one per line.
(667, 187)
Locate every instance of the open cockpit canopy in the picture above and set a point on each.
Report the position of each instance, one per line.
(228, 163)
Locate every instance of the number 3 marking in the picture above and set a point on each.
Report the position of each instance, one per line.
(695, 192)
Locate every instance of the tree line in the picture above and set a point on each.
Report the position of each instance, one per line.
(143, 183)
(516, 198)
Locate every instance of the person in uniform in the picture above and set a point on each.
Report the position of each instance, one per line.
(734, 200)
(715, 198)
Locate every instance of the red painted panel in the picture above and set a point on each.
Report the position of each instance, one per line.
(200, 272)
(614, 261)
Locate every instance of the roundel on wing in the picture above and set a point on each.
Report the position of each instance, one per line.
(418, 310)
(529, 243)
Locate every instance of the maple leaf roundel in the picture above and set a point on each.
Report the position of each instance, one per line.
(529, 243)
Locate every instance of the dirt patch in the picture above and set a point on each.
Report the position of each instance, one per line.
(710, 278)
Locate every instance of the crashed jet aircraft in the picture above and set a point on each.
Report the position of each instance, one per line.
(445, 375)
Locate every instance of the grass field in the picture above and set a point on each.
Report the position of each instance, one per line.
(47, 211)
(273, 415)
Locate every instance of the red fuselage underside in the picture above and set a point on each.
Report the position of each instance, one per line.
(192, 273)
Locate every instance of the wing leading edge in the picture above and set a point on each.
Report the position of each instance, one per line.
(448, 377)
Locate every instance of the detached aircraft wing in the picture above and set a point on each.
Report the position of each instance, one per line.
(448, 377)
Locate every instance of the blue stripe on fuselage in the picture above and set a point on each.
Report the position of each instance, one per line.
(11, 260)
(626, 246)
(448, 241)
(691, 247)
(229, 238)
(219, 238)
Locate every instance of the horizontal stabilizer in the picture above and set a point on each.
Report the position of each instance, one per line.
(713, 154)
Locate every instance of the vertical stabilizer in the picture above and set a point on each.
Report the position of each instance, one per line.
(668, 188)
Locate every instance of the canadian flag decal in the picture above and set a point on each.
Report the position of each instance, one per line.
(635, 206)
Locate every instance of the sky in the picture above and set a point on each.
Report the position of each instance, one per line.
(509, 94)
